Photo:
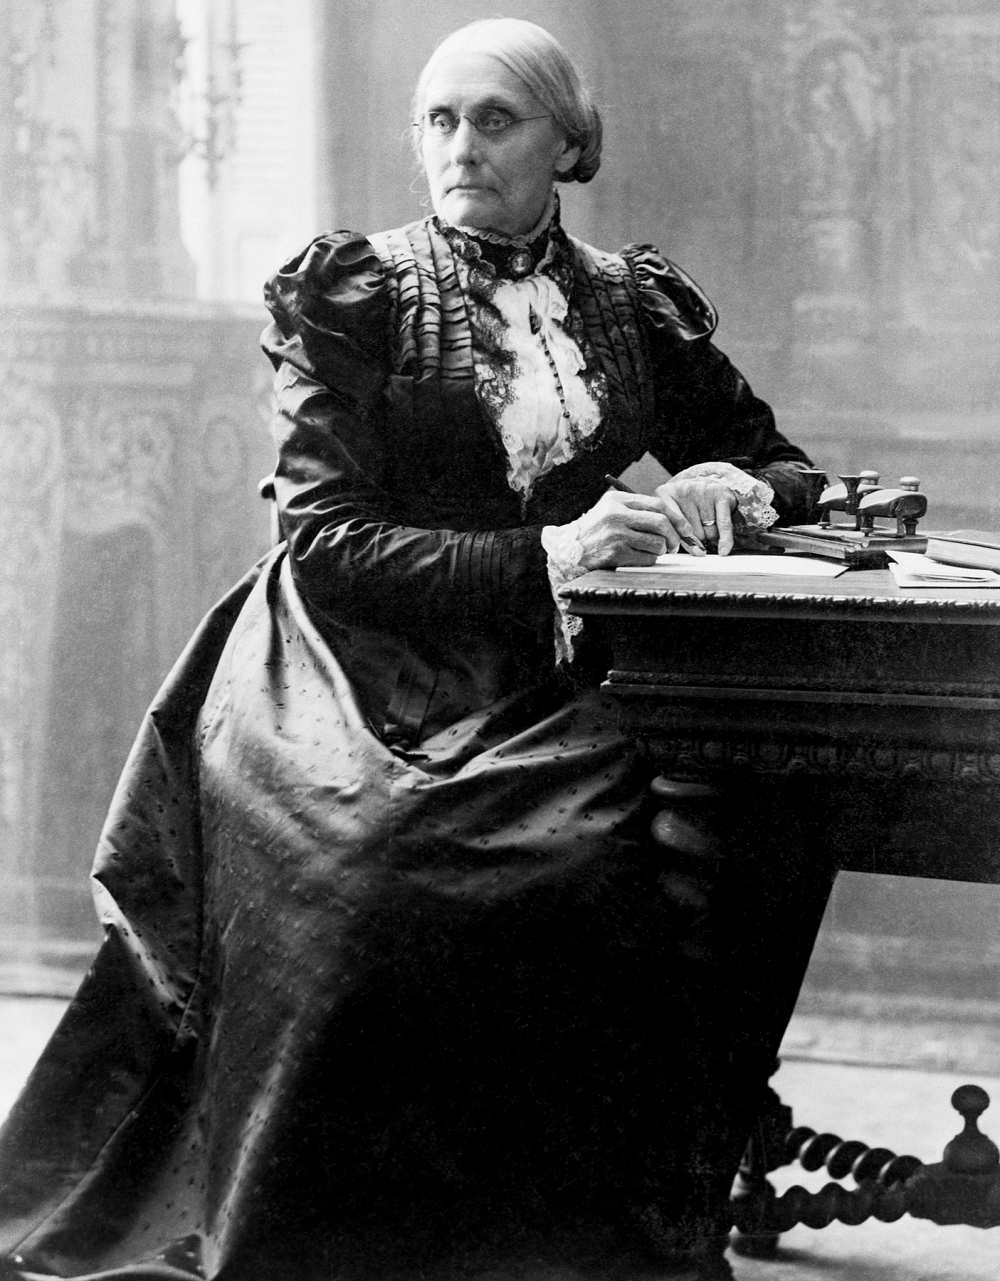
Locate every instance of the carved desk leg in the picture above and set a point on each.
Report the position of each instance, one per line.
(753, 1195)
(964, 1187)
(743, 853)
(689, 828)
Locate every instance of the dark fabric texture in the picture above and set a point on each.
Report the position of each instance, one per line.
(428, 573)
(395, 982)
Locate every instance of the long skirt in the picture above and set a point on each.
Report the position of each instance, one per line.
(364, 1013)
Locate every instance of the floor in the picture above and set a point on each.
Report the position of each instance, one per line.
(903, 1109)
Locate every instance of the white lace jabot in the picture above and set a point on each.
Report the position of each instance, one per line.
(536, 395)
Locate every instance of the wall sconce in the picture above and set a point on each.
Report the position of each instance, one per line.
(208, 84)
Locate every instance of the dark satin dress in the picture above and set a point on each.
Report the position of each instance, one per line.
(394, 982)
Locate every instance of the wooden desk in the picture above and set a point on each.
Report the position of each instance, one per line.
(850, 679)
(875, 707)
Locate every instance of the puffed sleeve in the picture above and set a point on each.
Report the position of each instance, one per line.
(351, 549)
(705, 408)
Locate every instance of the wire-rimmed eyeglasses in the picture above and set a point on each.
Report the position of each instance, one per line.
(491, 122)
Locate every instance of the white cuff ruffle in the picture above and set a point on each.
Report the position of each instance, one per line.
(562, 546)
(753, 496)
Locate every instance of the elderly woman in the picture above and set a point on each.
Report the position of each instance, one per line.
(395, 984)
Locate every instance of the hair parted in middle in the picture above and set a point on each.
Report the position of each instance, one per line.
(537, 58)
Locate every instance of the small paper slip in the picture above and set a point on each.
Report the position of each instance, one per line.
(910, 569)
(784, 565)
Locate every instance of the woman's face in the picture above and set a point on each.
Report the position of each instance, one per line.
(500, 182)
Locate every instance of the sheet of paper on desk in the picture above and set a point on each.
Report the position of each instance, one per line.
(910, 569)
(807, 566)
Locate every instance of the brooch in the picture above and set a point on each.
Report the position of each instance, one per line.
(520, 263)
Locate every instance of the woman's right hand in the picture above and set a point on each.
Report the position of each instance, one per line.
(627, 529)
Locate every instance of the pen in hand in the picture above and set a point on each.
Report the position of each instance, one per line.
(614, 483)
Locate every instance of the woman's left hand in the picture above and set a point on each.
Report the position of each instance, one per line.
(707, 504)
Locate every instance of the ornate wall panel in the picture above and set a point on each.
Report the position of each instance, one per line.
(89, 147)
(132, 447)
(131, 433)
(836, 112)
(31, 457)
(944, 293)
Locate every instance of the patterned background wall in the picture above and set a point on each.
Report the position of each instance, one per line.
(827, 170)
(133, 430)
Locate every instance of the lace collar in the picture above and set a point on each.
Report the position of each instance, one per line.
(500, 257)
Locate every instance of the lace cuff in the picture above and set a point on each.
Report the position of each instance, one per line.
(753, 496)
(562, 546)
